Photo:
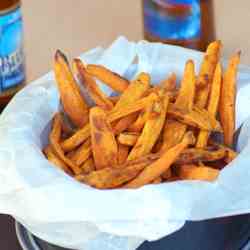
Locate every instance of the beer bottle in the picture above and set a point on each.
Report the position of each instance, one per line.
(12, 72)
(188, 23)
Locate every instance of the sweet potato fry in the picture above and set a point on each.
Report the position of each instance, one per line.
(213, 104)
(198, 118)
(128, 138)
(72, 101)
(82, 153)
(124, 123)
(185, 98)
(174, 130)
(207, 69)
(167, 174)
(192, 172)
(157, 168)
(99, 97)
(57, 161)
(123, 151)
(88, 166)
(112, 79)
(139, 123)
(169, 84)
(54, 139)
(195, 155)
(114, 99)
(103, 141)
(151, 130)
(132, 108)
(173, 133)
(158, 180)
(76, 139)
(227, 100)
(134, 92)
(111, 177)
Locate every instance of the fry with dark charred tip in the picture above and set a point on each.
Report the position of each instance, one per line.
(213, 104)
(198, 118)
(112, 79)
(111, 177)
(76, 139)
(128, 138)
(206, 73)
(228, 98)
(88, 81)
(196, 155)
(161, 165)
(82, 153)
(54, 139)
(193, 172)
(72, 101)
(123, 151)
(151, 130)
(103, 141)
(167, 174)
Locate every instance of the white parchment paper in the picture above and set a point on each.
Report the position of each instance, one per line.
(56, 208)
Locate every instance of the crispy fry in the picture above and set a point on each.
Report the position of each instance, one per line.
(111, 177)
(213, 104)
(134, 92)
(158, 180)
(124, 123)
(192, 172)
(173, 133)
(76, 139)
(207, 70)
(112, 79)
(167, 174)
(114, 99)
(185, 98)
(195, 155)
(82, 153)
(88, 166)
(54, 138)
(158, 167)
(123, 151)
(132, 108)
(169, 84)
(174, 130)
(227, 100)
(72, 101)
(103, 142)
(128, 138)
(88, 81)
(151, 130)
(67, 129)
(198, 118)
(138, 125)
(57, 161)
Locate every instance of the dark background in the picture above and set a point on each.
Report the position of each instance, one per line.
(8, 239)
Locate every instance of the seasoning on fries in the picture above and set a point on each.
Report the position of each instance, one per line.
(146, 134)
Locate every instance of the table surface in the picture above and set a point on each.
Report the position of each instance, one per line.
(76, 26)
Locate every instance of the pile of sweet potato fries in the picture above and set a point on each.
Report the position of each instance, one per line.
(147, 134)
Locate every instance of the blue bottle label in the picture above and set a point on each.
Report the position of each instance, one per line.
(173, 19)
(12, 71)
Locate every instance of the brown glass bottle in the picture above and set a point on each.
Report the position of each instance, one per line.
(12, 69)
(188, 23)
